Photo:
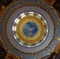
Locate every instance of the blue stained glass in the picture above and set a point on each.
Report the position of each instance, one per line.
(30, 29)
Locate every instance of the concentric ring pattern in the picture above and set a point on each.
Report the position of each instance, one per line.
(30, 29)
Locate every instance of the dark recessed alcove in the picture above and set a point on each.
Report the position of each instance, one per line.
(57, 5)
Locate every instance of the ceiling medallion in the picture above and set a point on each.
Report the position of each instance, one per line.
(30, 29)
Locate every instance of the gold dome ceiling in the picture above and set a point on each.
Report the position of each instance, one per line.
(29, 28)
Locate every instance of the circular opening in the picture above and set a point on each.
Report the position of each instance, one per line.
(30, 29)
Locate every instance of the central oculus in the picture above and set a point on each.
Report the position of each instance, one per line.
(30, 29)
